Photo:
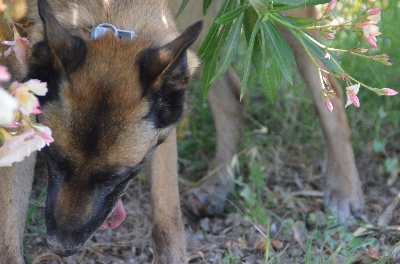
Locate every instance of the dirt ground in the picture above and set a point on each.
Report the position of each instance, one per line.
(232, 238)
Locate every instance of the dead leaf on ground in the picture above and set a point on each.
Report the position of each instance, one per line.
(299, 231)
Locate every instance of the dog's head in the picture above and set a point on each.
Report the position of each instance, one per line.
(110, 103)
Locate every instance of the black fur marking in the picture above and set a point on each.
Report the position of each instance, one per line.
(98, 128)
(39, 67)
(169, 102)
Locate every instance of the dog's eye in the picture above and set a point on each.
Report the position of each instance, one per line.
(116, 176)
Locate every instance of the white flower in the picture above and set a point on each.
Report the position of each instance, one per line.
(8, 106)
(25, 94)
(16, 148)
(351, 93)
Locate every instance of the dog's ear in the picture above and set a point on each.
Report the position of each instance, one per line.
(164, 73)
(67, 51)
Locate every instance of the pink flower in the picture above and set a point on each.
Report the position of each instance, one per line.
(374, 11)
(330, 7)
(330, 36)
(45, 133)
(351, 93)
(329, 105)
(389, 92)
(370, 31)
(25, 94)
(8, 106)
(19, 45)
(374, 15)
(16, 148)
(4, 74)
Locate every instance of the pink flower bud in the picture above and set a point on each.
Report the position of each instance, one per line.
(330, 36)
(372, 41)
(374, 11)
(354, 100)
(4, 74)
(329, 105)
(389, 92)
(331, 5)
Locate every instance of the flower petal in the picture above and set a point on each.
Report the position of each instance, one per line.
(8, 106)
(4, 74)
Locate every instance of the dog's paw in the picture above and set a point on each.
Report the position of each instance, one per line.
(343, 205)
(211, 196)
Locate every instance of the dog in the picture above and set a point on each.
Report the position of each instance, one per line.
(113, 105)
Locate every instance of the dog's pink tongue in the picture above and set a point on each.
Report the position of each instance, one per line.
(116, 218)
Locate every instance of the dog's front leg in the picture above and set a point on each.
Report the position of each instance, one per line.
(168, 234)
(15, 189)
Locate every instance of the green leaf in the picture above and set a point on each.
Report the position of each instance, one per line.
(320, 53)
(290, 2)
(312, 46)
(259, 215)
(391, 164)
(280, 50)
(211, 58)
(261, 6)
(231, 15)
(213, 32)
(301, 5)
(272, 77)
(379, 146)
(248, 196)
(206, 5)
(302, 21)
(229, 49)
(182, 7)
(267, 69)
(249, 54)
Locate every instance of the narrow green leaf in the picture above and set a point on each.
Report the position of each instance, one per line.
(211, 59)
(261, 6)
(249, 55)
(312, 46)
(182, 7)
(206, 5)
(280, 50)
(265, 65)
(231, 15)
(301, 5)
(290, 2)
(229, 49)
(302, 21)
(320, 53)
(208, 42)
(271, 79)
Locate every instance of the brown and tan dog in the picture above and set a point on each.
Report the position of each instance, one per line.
(113, 106)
